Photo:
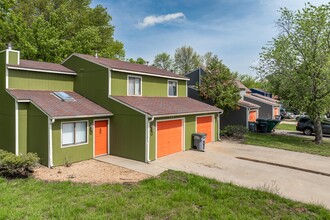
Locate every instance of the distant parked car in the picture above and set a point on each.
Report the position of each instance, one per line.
(306, 126)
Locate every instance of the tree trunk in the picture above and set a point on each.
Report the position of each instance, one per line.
(318, 130)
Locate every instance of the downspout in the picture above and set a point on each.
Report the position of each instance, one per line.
(50, 142)
(148, 123)
(16, 128)
(220, 113)
(247, 117)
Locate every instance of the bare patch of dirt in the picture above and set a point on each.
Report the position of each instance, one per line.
(89, 171)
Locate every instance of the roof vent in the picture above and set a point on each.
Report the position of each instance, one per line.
(10, 46)
(64, 96)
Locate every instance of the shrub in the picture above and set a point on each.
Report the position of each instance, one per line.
(12, 166)
(234, 131)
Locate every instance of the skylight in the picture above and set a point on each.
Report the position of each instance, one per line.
(64, 96)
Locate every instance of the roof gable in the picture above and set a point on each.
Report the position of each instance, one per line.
(122, 66)
(55, 108)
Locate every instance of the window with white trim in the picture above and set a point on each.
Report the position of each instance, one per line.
(134, 86)
(172, 88)
(74, 133)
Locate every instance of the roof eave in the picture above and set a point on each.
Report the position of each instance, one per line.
(40, 70)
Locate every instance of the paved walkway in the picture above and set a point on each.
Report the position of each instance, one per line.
(220, 162)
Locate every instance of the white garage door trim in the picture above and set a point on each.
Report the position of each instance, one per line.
(183, 141)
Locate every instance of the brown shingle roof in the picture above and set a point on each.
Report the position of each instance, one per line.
(127, 66)
(29, 64)
(264, 97)
(247, 104)
(262, 100)
(242, 86)
(56, 108)
(161, 106)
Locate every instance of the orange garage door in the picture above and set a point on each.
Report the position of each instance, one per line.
(169, 137)
(276, 111)
(253, 116)
(204, 125)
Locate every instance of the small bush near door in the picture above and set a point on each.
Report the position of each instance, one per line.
(234, 131)
(12, 166)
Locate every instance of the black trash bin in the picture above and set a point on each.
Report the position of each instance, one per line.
(199, 141)
(262, 125)
(252, 126)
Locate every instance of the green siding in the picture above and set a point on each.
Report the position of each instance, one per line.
(190, 128)
(37, 132)
(71, 154)
(127, 127)
(22, 127)
(151, 86)
(7, 111)
(13, 57)
(19, 79)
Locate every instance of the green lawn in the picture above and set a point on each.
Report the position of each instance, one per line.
(174, 195)
(289, 127)
(299, 144)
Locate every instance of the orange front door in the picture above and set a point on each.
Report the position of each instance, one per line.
(253, 116)
(169, 137)
(204, 125)
(101, 137)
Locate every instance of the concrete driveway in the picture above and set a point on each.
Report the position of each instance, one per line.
(220, 162)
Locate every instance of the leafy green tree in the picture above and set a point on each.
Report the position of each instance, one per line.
(139, 60)
(51, 30)
(186, 60)
(253, 82)
(297, 62)
(218, 85)
(163, 61)
(207, 58)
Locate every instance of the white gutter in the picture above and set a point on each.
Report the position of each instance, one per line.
(40, 70)
(50, 142)
(16, 128)
(148, 123)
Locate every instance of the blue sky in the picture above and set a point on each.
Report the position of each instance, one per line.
(232, 29)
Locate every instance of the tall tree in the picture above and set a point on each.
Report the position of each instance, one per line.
(163, 61)
(297, 61)
(139, 60)
(218, 85)
(186, 60)
(50, 30)
(253, 82)
(207, 58)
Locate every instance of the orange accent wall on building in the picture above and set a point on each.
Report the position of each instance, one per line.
(253, 116)
(204, 125)
(101, 137)
(169, 137)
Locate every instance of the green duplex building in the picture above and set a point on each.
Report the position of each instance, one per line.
(91, 106)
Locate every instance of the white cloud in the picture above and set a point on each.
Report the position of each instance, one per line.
(152, 20)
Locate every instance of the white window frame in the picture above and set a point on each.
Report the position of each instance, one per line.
(132, 76)
(75, 144)
(168, 88)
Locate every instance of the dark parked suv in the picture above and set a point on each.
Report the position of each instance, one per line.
(306, 126)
